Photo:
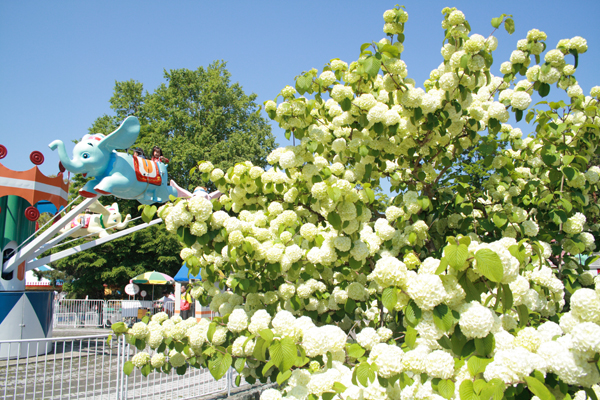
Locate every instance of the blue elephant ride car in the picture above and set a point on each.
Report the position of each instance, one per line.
(116, 173)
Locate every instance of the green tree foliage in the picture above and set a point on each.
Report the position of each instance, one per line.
(195, 115)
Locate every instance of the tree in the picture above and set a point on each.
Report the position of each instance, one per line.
(196, 115)
(465, 292)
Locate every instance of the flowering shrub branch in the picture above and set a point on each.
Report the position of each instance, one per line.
(446, 291)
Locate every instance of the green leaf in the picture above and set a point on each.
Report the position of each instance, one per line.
(507, 298)
(283, 353)
(544, 90)
(485, 346)
(478, 386)
(417, 113)
(576, 55)
(239, 364)
(456, 255)
(267, 335)
(523, 312)
(219, 365)
(355, 350)
(283, 376)
(477, 364)
(410, 337)
(509, 25)
(389, 298)
(350, 306)
(119, 327)
(518, 115)
(442, 267)
(370, 194)
(464, 61)
(518, 251)
(494, 390)
(446, 388)
(363, 374)
(186, 236)
(128, 367)
(591, 394)
(489, 265)
(302, 360)
(458, 340)
(146, 369)
(444, 318)
(372, 66)
(260, 349)
(466, 391)
(339, 388)
(211, 331)
(538, 388)
(140, 344)
(334, 219)
(346, 104)
(496, 22)
(412, 313)
(569, 172)
(500, 220)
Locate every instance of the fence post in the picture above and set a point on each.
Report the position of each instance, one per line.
(229, 382)
(119, 381)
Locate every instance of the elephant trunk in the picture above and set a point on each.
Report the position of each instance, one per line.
(69, 164)
(123, 224)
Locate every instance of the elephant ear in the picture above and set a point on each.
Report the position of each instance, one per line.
(124, 137)
(97, 208)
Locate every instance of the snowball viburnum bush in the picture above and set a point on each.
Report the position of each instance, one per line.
(450, 289)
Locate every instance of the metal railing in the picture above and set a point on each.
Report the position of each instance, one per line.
(159, 386)
(100, 313)
(92, 368)
(78, 313)
(74, 367)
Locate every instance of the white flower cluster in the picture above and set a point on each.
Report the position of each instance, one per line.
(304, 249)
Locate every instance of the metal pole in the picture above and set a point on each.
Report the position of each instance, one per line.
(229, 382)
(119, 368)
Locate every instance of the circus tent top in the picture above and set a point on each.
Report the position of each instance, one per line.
(32, 185)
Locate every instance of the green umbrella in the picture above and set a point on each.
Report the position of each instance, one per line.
(153, 278)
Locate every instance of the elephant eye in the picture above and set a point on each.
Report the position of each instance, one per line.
(85, 155)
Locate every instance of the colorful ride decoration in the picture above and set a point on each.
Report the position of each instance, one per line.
(115, 173)
(23, 196)
(101, 223)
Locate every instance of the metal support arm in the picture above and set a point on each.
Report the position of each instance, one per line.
(65, 253)
(26, 251)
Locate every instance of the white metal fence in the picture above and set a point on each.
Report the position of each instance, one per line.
(91, 368)
(70, 313)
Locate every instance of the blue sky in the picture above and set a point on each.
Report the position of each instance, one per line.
(60, 59)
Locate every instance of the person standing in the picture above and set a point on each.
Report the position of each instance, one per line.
(185, 305)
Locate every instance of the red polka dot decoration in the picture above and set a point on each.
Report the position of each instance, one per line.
(36, 157)
(32, 213)
(3, 151)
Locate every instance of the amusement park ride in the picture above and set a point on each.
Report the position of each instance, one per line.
(25, 194)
